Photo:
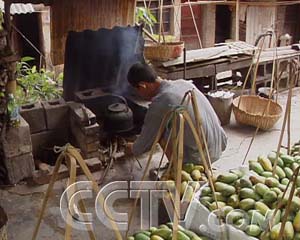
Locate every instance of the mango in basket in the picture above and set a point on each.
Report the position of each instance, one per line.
(253, 230)
(265, 163)
(185, 176)
(247, 204)
(233, 201)
(227, 178)
(196, 175)
(270, 197)
(248, 193)
(225, 189)
(256, 167)
(188, 167)
(296, 222)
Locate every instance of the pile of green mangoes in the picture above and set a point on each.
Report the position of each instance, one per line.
(165, 232)
(295, 151)
(258, 195)
(191, 175)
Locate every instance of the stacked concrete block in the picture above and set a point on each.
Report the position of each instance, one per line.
(18, 156)
(35, 116)
(84, 130)
(56, 133)
(57, 112)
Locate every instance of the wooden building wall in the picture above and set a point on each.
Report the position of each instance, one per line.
(78, 15)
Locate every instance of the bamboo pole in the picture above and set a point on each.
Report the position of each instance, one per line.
(195, 24)
(237, 20)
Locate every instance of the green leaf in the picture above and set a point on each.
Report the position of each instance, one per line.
(27, 59)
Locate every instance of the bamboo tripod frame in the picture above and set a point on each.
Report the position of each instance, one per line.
(73, 157)
(179, 116)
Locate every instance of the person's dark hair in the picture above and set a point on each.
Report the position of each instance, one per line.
(140, 72)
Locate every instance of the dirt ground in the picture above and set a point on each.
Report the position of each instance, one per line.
(23, 203)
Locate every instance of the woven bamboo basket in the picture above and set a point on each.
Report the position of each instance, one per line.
(163, 51)
(251, 109)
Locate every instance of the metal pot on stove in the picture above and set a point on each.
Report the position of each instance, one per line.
(118, 118)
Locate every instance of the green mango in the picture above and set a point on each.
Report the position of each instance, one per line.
(268, 174)
(289, 172)
(226, 210)
(188, 167)
(285, 181)
(163, 232)
(247, 204)
(191, 235)
(296, 222)
(213, 206)
(289, 232)
(277, 190)
(249, 193)
(295, 204)
(186, 176)
(245, 183)
(269, 197)
(237, 172)
(234, 216)
(163, 226)
(227, 178)
(253, 230)
(261, 189)
(295, 166)
(298, 181)
(196, 175)
(287, 159)
(233, 201)
(274, 234)
(265, 163)
(277, 217)
(182, 236)
(262, 208)
(256, 167)
(206, 191)
(170, 225)
(297, 236)
(257, 179)
(272, 182)
(256, 218)
(199, 167)
(141, 236)
(220, 197)
(265, 236)
(152, 229)
(130, 238)
(272, 157)
(156, 237)
(224, 188)
(280, 172)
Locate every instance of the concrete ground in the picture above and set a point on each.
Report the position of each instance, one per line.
(23, 203)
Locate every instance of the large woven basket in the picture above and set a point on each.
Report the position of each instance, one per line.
(163, 51)
(251, 109)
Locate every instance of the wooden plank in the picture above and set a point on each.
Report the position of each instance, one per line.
(191, 73)
(222, 67)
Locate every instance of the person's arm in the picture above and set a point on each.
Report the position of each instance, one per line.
(152, 122)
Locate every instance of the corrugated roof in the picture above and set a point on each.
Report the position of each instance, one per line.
(18, 8)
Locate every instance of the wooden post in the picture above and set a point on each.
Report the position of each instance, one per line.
(237, 20)
(7, 21)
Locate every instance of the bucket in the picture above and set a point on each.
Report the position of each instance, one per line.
(221, 102)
